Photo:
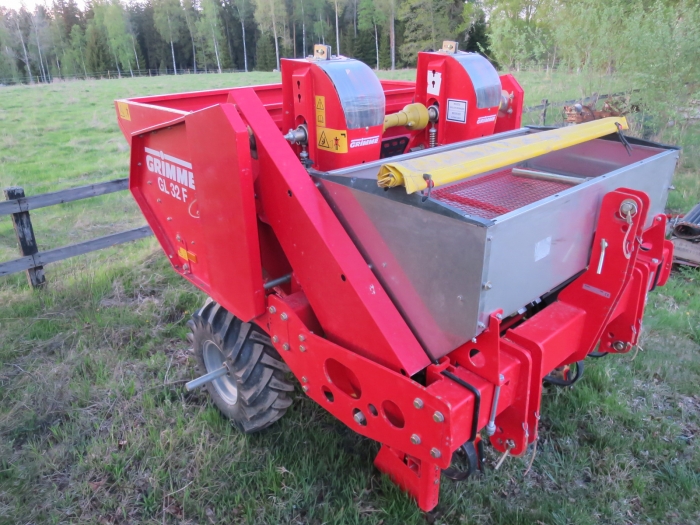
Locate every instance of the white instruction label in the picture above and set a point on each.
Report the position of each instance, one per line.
(457, 110)
(434, 81)
(543, 248)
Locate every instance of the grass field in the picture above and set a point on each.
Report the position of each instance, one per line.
(96, 427)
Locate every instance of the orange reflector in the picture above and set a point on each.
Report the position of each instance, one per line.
(188, 256)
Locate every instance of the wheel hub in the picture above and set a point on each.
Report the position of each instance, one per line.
(214, 359)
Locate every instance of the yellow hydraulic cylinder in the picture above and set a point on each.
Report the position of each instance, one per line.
(413, 116)
(462, 163)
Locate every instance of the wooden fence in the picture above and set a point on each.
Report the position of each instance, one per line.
(33, 261)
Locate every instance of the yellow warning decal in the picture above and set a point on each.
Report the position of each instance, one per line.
(333, 140)
(188, 256)
(320, 111)
(124, 110)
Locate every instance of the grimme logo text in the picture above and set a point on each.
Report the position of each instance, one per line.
(167, 166)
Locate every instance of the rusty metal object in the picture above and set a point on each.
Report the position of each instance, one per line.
(578, 113)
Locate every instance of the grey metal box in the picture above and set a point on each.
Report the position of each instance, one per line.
(448, 267)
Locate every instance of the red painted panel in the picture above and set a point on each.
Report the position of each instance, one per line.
(220, 152)
(349, 302)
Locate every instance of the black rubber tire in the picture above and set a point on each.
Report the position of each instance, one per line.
(256, 369)
(468, 454)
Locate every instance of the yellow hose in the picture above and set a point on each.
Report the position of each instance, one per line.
(462, 163)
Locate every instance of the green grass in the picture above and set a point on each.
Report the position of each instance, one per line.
(96, 427)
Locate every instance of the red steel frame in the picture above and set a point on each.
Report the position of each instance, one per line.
(260, 215)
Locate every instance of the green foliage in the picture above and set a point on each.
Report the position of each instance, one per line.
(265, 54)
(168, 19)
(427, 24)
(97, 56)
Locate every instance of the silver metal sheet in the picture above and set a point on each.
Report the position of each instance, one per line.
(407, 248)
(536, 248)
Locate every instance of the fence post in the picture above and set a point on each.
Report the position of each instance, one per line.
(25, 237)
(543, 117)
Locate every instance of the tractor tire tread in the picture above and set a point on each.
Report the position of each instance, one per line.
(264, 390)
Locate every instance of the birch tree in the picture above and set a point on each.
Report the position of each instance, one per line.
(190, 13)
(168, 19)
(268, 14)
(242, 8)
(369, 17)
(388, 9)
(210, 25)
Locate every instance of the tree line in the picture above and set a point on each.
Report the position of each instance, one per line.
(654, 43)
(132, 37)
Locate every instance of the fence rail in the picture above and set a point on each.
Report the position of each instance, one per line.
(33, 261)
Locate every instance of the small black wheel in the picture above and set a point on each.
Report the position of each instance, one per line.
(256, 392)
(470, 456)
(565, 375)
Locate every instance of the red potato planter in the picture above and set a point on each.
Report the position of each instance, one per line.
(424, 319)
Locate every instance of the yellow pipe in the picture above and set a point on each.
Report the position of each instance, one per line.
(462, 163)
(413, 116)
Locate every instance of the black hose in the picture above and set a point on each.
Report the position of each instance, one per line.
(477, 401)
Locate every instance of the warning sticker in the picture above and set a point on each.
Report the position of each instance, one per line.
(434, 81)
(124, 110)
(333, 140)
(457, 110)
(320, 111)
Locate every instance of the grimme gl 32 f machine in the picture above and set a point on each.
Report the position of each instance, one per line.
(419, 261)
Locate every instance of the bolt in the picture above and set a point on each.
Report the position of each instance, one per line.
(285, 347)
(305, 388)
(480, 325)
(438, 417)
(301, 337)
(178, 237)
(655, 261)
(359, 418)
(149, 183)
(272, 309)
(619, 346)
(460, 298)
(473, 339)
(628, 207)
(415, 439)
(487, 285)
(418, 403)
(489, 238)
(275, 339)
(304, 379)
(157, 200)
(501, 377)
(138, 164)
(302, 348)
(284, 316)
(170, 218)
(185, 266)
(435, 453)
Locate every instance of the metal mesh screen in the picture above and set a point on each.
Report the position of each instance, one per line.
(497, 193)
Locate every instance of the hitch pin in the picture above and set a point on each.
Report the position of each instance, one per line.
(215, 374)
(603, 245)
(509, 446)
